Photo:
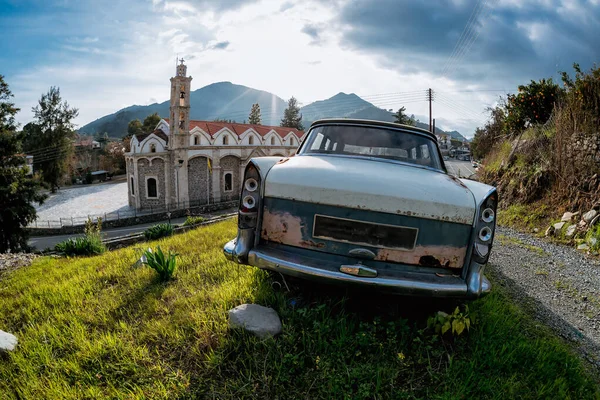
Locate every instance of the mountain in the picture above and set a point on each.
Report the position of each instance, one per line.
(344, 105)
(223, 100)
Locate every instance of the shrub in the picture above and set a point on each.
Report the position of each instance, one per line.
(456, 322)
(163, 264)
(88, 245)
(158, 231)
(193, 220)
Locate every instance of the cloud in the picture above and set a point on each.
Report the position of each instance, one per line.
(314, 31)
(513, 42)
(221, 45)
(286, 6)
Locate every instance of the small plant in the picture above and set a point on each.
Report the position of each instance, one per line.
(456, 322)
(193, 220)
(158, 231)
(88, 245)
(164, 264)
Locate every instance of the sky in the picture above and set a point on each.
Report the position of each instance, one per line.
(109, 54)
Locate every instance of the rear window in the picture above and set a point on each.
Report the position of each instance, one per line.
(373, 142)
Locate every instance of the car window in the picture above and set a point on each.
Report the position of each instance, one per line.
(373, 142)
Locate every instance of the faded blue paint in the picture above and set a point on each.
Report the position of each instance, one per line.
(431, 232)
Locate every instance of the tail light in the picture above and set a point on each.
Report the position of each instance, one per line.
(249, 198)
(485, 225)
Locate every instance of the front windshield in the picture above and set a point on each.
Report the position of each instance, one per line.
(373, 142)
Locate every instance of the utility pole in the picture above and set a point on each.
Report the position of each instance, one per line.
(430, 98)
(433, 131)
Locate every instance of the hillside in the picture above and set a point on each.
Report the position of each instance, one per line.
(226, 100)
(223, 100)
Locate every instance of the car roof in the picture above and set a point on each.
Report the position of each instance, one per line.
(353, 121)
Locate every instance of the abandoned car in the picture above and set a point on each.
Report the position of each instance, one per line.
(367, 203)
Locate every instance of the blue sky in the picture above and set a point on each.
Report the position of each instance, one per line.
(106, 55)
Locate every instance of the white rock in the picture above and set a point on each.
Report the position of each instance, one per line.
(558, 226)
(571, 231)
(583, 246)
(261, 321)
(568, 216)
(590, 215)
(7, 341)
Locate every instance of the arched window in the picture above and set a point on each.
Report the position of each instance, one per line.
(251, 140)
(152, 191)
(225, 140)
(228, 181)
(292, 141)
(132, 187)
(272, 140)
(196, 141)
(152, 148)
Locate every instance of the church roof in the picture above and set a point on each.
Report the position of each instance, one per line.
(157, 132)
(212, 127)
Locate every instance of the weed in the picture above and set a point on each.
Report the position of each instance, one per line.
(163, 264)
(90, 244)
(455, 323)
(158, 231)
(541, 271)
(193, 220)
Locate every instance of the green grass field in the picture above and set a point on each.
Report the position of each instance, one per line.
(101, 328)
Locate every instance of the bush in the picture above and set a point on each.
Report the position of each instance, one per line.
(163, 264)
(88, 245)
(158, 231)
(193, 220)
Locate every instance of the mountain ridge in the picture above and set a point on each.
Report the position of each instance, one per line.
(226, 100)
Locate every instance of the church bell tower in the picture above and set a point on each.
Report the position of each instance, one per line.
(179, 118)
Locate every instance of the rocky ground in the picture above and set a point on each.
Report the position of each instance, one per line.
(10, 261)
(558, 284)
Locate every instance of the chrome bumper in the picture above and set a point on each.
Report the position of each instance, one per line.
(407, 283)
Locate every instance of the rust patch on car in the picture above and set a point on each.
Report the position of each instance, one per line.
(310, 243)
(427, 256)
(283, 160)
(282, 227)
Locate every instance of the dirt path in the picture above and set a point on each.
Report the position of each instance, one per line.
(558, 284)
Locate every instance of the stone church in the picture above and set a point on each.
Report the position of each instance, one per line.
(187, 163)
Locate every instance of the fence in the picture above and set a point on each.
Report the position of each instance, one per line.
(124, 214)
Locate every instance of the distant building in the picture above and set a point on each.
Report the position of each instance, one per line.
(443, 141)
(187, 162)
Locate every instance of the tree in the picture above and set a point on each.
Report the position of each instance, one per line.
(532, 105)
(113, 158)
(492, 133)
(18, 191)
(254, 117)
(50, 137)
(401, 118)
(291, 116)
(150, 123)
(134, 127)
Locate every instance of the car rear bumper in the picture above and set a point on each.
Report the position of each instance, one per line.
(397, 282)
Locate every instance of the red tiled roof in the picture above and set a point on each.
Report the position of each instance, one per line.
(211, 128)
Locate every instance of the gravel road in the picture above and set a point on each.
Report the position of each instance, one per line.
(558, 284)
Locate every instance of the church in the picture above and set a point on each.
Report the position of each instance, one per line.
(185, 163)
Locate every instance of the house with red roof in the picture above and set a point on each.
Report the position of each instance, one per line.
(185, 163)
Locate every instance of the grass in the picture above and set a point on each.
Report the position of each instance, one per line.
(101, 327)
(526, 217)
(509, 240)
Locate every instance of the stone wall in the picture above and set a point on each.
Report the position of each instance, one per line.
(198, 179)
(230, 164)
(583, 150)
(155, 169)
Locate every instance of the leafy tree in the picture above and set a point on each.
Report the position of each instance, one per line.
(532, 105)
(401, 118)
(583, 93)
(291, 116)
(50, 137)
(254, 117)
(150, 123)
(17, 190)
(134, 127)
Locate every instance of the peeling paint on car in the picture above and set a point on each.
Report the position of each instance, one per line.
(427, 256)
(282, 227)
